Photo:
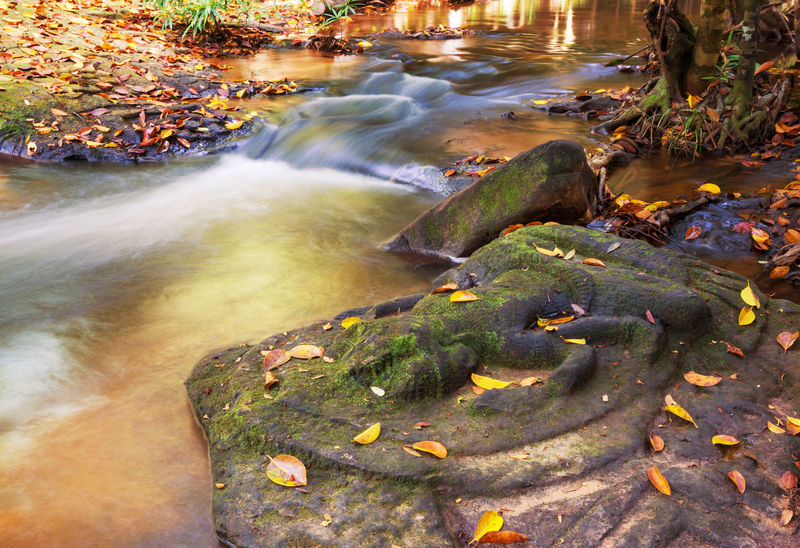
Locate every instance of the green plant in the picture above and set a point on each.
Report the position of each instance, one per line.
(336, 13)
(198, 16)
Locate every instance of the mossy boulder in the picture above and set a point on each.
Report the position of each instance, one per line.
(567, 457)
(550, 182)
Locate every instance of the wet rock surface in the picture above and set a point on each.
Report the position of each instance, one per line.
(566, 458)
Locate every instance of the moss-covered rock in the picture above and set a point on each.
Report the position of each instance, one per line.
(573, 446)
(551, 182)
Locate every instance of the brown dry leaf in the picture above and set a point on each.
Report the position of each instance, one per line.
(433, 447)
(463, 297)
(269, 380)
(786, 517)
(656, 441)
(746, 316)
(410, 451)
(792, 236)
(701, 380)
(421, 424)
(306, 351)
(489, 522)
(594, 262)
(659, 481)
(275, 358)
(775, 429)
(787, 339)
(692, 232)
(502, 537)
(724, 439)
(738, 480)
(734, 349)
(779, 272)
(788, 480)
(679, 411)
(369, 435)
(57, 112)
(327, 326)
(452, 286)
(287, 470)
(529, 381)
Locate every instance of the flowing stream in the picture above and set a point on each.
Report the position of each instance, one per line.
(116, 279)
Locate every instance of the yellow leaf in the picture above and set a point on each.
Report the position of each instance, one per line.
(463, 297)
(490, 521)
(236, 124)
(347, 322)
(679, 411)
(166, 134)
(554, 253)
(364, 44)
(787, 339)
(774, 428)
(746, 316)
(750, 298)
(693, 100)
(410, 451)
(709, 187)
(306, 351)
(738, 480)
(793, 420)
(269, 380)
(369, 435)
(540, 102)
(701, 380)
(786, 517)
(659, 481)
(433, 447)
(488, 383)
(541, 322)
(570, 254)
(655, 206)
(287, 470)
(760, 237)
(574, 341)
(724, 439)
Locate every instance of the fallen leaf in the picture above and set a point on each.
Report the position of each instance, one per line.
(530, 381)
(378, 391)
(786, 517)
(220, 485)
(410, 451)
(477, 390)
(709, 187)
(275, 358)
(327, 326)
(787, 339)
(692, 232)
(574, 341)
(792, 236)
(613, 247)
(738, 480)
(570, 254)
(287, 470)
(746, 316)
(420, 425)
(649, 316)
(452, 286)
(659, 481)
(792, 429)
(679, 411)
(490, 521)
(57, 112)
(594, 262)
(488, 383)
(327, 519)
(788, 480)
(793, 420)
(701, 380)
(269, 380)
(734, 349)
(724, 439)
(774, 428)
(369, 435)
(656, 441)
(750, 298)
(347, 322)
(502, 537)
(433, 447)
(236, 124)
(779, 272)
(328, 359)
(463, 297)
(306, 351)
(759, 236)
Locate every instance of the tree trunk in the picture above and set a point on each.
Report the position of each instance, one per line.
(709, 43)
(741, 96)
(673, 40)
(797, 27)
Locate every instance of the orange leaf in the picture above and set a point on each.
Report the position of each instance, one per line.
(433, 447)
(306, 351)
(792, 429)
(463, 297)
(734, 349)
(649, 316)
(594, 262)
(701, 380)
(692, 232)
(477, 390)
(502, 537)
(792, 236)
(779, 272)
(787, 339)
(788, 480)
(276, 357)
(656, 442)
(287, 470)
(452, 286)
(449, 172)
(659, 481)
(774, 428)
(786, 517)
(760, 236)
(737, 480)
(269, 380)
(724, 439)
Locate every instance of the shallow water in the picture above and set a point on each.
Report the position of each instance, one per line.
(115, 280)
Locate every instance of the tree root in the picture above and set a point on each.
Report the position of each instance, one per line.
(657, 98)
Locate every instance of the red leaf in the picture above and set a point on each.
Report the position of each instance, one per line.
(692, 232)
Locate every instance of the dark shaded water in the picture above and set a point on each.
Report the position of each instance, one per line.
(115, 280)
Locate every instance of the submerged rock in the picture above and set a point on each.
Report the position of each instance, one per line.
(567, 457)
(551, 182)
